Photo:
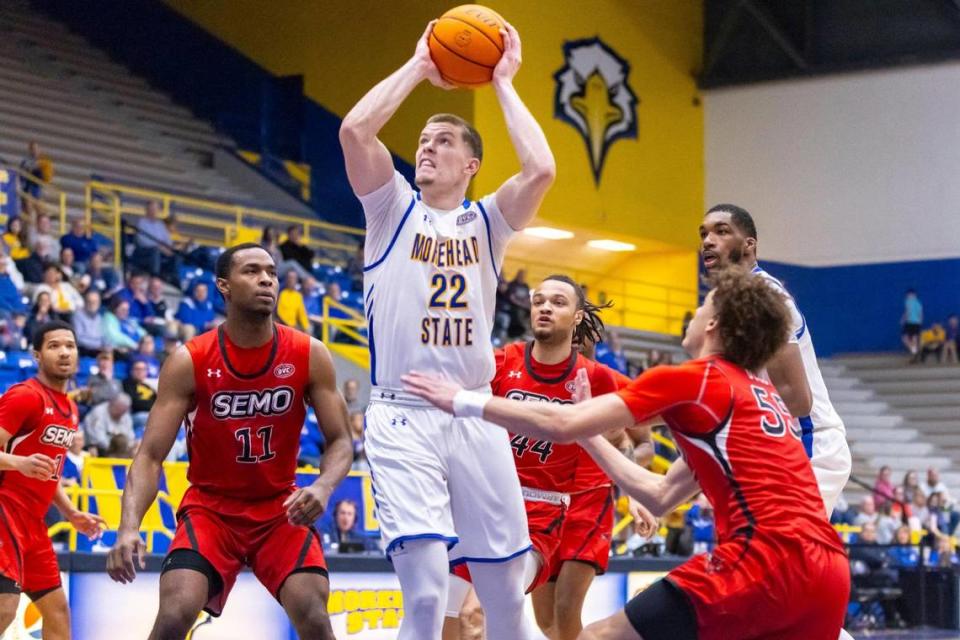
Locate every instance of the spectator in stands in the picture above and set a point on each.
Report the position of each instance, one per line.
(343, 529)
(952, 344)
(88, 324)
(64, 297)
(102, 385)
(900, 508)
(122, 332)
(359, 453)
(934, 485)
(10, 287)
(911, 321)
(518, 291)
(142, 395)
(106, 420)
(918, 507)
(944, 554)
(296, 255)
(932, 341)
(883, 487)
(32, 186)
(868, 512)
(154, 250)
(41, 313)
(312, 298)
(904, 555)
(76, 457)
(195, 313)
(351, 395)
(120, 447)
(701, 523)
(610, 352)
(102, 277)
(870, 566)
(18, 250)
(161, 322)
(291, 310)
(502, 314)
(270, 244)
(311, 442)
(136, 294)
(13, 332)
(843, 513)
(911, 484)
(80, 241)
(68, 265)
(146, 353)
(938, 518)
(45, 245)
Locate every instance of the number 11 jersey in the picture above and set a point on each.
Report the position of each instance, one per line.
(243, 433)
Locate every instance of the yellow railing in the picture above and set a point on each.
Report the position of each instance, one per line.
(350, 326)
(206, 221)
(637, 304)
(61, 196)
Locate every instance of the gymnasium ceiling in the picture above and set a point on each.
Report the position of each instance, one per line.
(747, 41)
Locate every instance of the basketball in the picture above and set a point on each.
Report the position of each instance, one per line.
(466, 44)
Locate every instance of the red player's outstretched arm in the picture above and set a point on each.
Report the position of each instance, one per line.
(306, 505)
(174, 398)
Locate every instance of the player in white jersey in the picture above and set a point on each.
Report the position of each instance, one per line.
(432, 265)
(728, 236)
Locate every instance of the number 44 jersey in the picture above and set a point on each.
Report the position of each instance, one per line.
(243, 433)
(542, 464)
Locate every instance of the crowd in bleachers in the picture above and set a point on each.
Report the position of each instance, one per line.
(939, 342)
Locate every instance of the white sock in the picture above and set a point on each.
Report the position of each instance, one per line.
(500, 587)
(423, 570)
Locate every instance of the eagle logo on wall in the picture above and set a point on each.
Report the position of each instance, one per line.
(593, 96)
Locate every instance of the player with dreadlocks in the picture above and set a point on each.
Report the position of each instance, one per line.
(544, 370)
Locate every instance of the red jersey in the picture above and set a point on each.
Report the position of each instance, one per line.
(737, 436)
(39, 420)
(542, 464)
(589, 474)
(243, 434)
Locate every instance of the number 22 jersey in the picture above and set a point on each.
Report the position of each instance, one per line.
(243, 434)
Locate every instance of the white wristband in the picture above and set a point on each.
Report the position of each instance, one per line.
(469, 404)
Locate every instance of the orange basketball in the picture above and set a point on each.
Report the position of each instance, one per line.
(466, 44)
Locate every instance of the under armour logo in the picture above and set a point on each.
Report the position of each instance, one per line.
(213, 373)
(514, 374)
(402, 421)
(388, 396)
(48, 411)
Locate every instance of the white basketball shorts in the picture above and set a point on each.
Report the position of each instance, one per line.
(831, 464)
(437, 476)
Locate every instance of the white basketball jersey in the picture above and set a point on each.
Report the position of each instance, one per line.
(430, 285)
(822, 413)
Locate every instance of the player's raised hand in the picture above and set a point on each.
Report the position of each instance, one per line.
(644, 523)
(422, 57)
(120, 565)
(36, 466)
(89, 524)
(305, 505)
(581, 390)
(438, 391)
(510, 61)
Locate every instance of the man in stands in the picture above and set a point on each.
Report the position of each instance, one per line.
(80, 239)
(196, 313)
(38, 422)
(154, 244)
(297, 255)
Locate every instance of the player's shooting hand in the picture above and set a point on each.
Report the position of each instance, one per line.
(581, 391)
(305, 505)
(89, 524)
(510, 61)
(425, 62)
(120, 559)
(438, 391)
(644, 523)
(36, 466)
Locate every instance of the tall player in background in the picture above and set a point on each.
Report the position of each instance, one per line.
(433, 261)
(728, 236)
(37, 425)
(779, 569)
(242, 389)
